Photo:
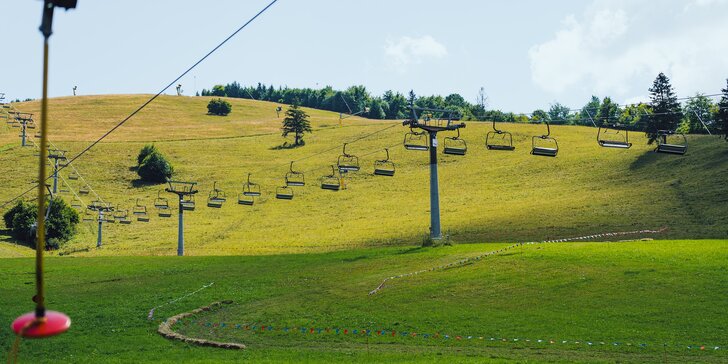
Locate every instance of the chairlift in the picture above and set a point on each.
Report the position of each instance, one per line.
(331, 182)
(164, 212)
(216, 197)
(122, 216)
(246, 200)
(416, 140)
(455, 145)
(76, 204)
(188, 203)
(251, 189)
(347, 162)
(140, 211)
(505, 142)
(671, 142)
(284, 193)
(73, 176)
(161, 202)
(294, 178)
(384, 167)
(611, 136)
(545, 145)
(84, 190)
(88, 216)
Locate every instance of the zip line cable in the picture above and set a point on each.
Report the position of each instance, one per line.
(151, 99)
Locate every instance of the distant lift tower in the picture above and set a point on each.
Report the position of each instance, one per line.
(26, 122)
(101, 208)
(432, 126)
(185, 191)
(56, 155)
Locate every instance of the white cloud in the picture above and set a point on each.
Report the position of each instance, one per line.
(406, 51)
(608, 52)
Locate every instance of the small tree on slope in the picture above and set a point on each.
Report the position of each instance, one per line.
(666, 111)
(296, 122)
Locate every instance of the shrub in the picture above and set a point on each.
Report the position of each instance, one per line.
(146, 151)
(219, 107)
(155, 168)
(60, 225)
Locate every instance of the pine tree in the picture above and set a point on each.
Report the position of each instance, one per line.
(721, 117)
(666, 111)
(296, 122)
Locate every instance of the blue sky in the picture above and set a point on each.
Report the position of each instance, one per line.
(526, 54)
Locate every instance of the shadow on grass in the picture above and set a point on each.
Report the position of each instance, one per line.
(6, 235)
(286, 145)
(646, 159)
(137, 183)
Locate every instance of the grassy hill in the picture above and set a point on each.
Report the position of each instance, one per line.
(485, 195)
(653, 298)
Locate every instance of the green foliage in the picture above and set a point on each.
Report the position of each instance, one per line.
(219, 107)
(721, 115)
(155, 168)
(145, 152)
(558, 114)
(10, 214)
(218, 90)
(296, 122)
(666, 111)
(539, 115)
(589, 112)
(697, 109)
(608, 112)
(633, 115)
(60, 225)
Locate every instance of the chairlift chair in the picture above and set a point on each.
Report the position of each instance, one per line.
(347, 162)
(614, 138)
(122, 216)
(164, 212)
(492, 141)
(216, 197)
(545, 145)
(677, 145)
(73, 176)
(84, 190)
(416, 140)
(140, 211)
(455, 145)
(294, 178)
(331, 182)
(188, 203)
(246, 200)
(161, 202)
(284, 193)
(251, 189)
(384, 167)
(88, 216)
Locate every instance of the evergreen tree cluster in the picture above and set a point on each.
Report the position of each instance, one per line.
(663, 112)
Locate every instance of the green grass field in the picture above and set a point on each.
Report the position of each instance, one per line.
(642, 292)
(485, 196)
(311, 262)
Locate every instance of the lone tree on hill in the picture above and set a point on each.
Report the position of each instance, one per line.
(296, 122)
(721, 117)
(219, 107)
(666, 111)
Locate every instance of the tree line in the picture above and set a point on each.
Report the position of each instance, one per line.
(696, 115)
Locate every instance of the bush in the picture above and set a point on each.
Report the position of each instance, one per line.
(60, 226)
(219, 107)
(155, 168)
(145, 152)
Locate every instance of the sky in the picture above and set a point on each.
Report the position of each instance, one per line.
(526, 54)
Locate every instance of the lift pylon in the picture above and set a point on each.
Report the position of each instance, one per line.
(183, 190)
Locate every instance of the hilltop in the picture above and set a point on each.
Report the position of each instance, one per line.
(485, 195)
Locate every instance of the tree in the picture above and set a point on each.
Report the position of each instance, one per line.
(698, 110)
(608, 112)
(60, 225)
(558, 114)
(296, 122)
(666, 111)
(721, 116)
(155, 168)
(219, 107)
(539, 115)
(589, 111)
(144, 152)
(218, 90)
(633, 115)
